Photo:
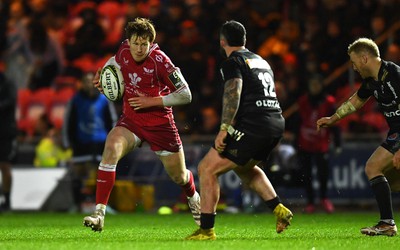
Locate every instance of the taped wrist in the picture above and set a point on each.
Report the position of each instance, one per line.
(345, 109)
(224, 127)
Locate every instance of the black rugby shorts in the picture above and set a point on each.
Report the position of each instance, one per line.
(249, 147)
(392, 142)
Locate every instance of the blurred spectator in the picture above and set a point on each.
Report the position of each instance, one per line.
(45, 55)
(393, 53)
(49, 152)
(279, 44)
(48, 147)
(89, 37)
(313, 146)
(192, 54)
(88, 119)
(15, 56)
(57, 21)
(210, 120)
(377, 27)
(112, 20)
(174, 15)
(234, 10)
(337, 41)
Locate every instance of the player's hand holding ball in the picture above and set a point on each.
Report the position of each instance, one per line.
(96, 80)
(111, 82)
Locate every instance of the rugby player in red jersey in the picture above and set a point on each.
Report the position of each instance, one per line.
(153, 84)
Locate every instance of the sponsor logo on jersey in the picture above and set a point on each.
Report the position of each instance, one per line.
(392, 89)
(257, 63)
(159, 58)
(390, 104)
(393, 137)
(268, 103)
(176, 78)
(392, 113)
(126, 61)
(148, 71)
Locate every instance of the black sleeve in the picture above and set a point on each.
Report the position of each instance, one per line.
(364, 92)
(230, 69)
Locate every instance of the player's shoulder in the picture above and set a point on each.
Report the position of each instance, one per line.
(124, 45)
(123, 51)
(157, 54)
(392, 67)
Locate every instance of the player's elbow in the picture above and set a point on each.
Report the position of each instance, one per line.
(188, 97)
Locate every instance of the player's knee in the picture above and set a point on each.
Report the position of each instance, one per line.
(112, 152)
(204, 169)
(371, 170)
(178, 178)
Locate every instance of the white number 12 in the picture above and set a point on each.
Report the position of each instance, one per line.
(268, 82)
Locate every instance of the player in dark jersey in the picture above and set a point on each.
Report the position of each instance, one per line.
(252, 125)
(381, 79)
(153, 84)
(8, 136)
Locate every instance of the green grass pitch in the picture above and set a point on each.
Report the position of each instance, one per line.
(42, 231)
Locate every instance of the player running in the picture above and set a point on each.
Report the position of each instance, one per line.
(252, 125)
(152, 85)
(381, 79)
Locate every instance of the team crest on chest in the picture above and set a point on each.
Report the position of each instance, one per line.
(134, 79)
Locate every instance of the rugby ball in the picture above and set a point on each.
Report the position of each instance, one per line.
(112, 82)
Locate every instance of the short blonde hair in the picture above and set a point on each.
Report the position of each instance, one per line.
(364, 45)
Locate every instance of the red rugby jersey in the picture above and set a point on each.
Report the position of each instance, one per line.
(147, 78)
(309, 139)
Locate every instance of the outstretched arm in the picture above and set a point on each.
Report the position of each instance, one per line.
(350, 106)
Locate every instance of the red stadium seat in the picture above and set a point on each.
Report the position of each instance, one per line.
(39, 103)
(112, 19)
(23, 99)
(59, 104)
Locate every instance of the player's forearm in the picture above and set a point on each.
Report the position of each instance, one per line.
(350, 106)
(345, 109)
(179, 97)
(231, 100)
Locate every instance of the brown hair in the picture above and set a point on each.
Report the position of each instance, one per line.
(141, 27)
